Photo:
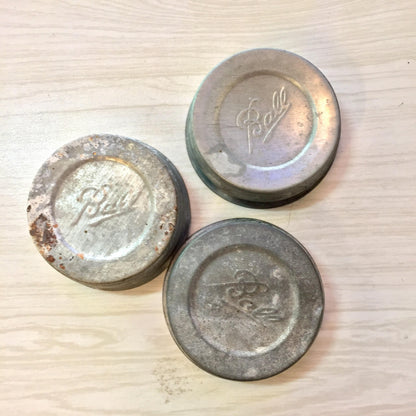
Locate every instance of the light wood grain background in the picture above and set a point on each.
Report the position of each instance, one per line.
(72, 68)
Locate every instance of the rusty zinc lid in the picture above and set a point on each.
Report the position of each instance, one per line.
(243, 299)
(108, 211)
(263, 128)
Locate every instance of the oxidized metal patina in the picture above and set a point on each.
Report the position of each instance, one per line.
(108, 211)
(243, 299)
(263, 128)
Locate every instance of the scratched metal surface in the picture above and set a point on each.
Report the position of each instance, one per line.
(69, 69)
(243, 299)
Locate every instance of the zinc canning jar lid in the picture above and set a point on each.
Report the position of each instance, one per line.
(263, 128)
(243, 299)
(108, 211)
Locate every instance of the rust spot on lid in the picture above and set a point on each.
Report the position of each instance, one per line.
(29, 207)
(43, 233)
(62, 266)
(50, 258)
(81, 256)
(171, 227)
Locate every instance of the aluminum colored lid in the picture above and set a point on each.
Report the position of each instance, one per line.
(108, 211)
(243, 299)
(263, 128)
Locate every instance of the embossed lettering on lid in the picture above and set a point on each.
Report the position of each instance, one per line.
(108, 211)
(243, 299)
(263, 128)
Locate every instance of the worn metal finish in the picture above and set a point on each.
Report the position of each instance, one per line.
(263, 128)
(243, 299)
(108, 211)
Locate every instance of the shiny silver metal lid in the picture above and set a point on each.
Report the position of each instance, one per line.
(108, 211)
(243, 299)
(263, 128)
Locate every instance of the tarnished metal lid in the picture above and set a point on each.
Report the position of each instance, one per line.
(108, 211)
(263, 128)
(243, 299)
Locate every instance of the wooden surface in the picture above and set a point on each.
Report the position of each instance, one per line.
(72, 68)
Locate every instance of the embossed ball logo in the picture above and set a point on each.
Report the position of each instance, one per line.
(250, 296)
(246, 294)
(260, 126)
(102, 209)
(98, 204)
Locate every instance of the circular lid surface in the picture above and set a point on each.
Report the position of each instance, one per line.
(243, 299)
(108, 211)
(263, 128)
